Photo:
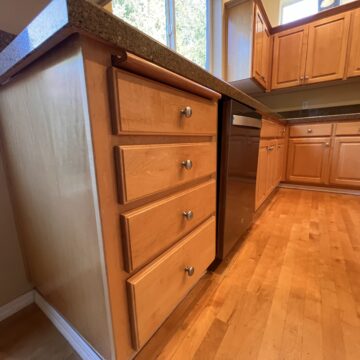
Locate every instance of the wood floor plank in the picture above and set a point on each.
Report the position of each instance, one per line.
(291, 290)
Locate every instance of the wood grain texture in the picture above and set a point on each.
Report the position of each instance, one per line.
(146, 169)
(153, 228)
(327, 49)
(150, 70)
(348, 128)
(289, 57)
(48, 157)
(97, 58)
(291, 290)
(156, 290)
(29, 334)
(345, 166)
(308, 160)
(160, 109)
(353, 65)
(261, 50)
(309, 130)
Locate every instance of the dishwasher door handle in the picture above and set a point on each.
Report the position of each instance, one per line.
(239, 120)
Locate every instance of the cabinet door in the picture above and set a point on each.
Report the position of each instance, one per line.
(345, 169)
(271, 169)
(328, 39)
(289, 57)
(280, 157)
(261, 49)
(261, 175)
(308, 160)
(354, 55)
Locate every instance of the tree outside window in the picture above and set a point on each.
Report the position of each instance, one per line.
(179, 24)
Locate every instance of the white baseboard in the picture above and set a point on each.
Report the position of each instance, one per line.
(320, 189)
(16, 305)
(79, 344)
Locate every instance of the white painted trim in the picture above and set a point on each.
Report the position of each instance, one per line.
(16, 305)
(320, 189)
(79, 344)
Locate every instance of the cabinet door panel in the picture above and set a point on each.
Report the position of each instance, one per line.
(280, 156)
(328, 39)
(261, 175)
(271, 169)
(308, 160)
(289, 57)
(261, 50)
(354, 56)
(345, 168)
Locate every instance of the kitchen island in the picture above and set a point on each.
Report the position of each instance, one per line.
(109, 141)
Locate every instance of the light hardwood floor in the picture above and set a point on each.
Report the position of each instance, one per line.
(290, 291)
(29, 335)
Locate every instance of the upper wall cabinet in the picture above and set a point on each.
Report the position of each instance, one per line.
(328, 40)
(261, 50)
(311, 53)
(248, 46)
(289, 57)
(354, 53)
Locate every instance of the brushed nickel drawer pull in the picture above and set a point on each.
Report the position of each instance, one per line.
(187, 164)
(190, 270)
(186, 111)
(188, 215)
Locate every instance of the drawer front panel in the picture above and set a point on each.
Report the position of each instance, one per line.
(144, 106)
(151, 229)
(147, 169)
(157, 290)
(348, 128)
(308, 130)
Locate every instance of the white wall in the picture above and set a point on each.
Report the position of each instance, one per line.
(16, 14)
(13, 282)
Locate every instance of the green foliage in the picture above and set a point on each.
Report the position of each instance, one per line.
(149, 16)
(190, 18)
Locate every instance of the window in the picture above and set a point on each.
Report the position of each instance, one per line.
(180, 24)
(298, 9)
(292, 10)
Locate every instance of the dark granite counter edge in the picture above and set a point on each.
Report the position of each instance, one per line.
(324, 118)
(61, 18)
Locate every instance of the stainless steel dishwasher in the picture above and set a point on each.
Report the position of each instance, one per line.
(239, 137)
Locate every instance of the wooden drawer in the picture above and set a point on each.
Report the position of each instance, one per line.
(156, 290)
(147, 169)
(348, 128)
(308, 130)
(152, 229)
(269, 129)
(141, 105)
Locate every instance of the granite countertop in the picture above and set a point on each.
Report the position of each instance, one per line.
(62, 18)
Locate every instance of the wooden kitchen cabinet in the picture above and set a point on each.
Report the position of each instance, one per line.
(261, 54)
(345, 168)
(280, 158)
(354, 53)
(267, 176)
(289, 57)
(261, 181)
(308, 160)
(327, 47)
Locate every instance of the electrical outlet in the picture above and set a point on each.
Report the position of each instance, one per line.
(305, 105)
